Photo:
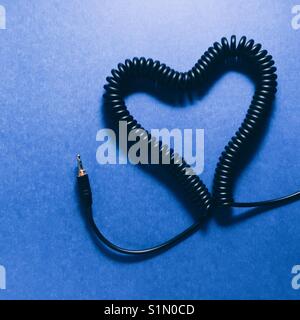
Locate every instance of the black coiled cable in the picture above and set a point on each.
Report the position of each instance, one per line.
(220, 54)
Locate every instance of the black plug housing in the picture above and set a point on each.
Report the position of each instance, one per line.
(84, 187)
(85, 190)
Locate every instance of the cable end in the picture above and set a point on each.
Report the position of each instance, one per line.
(84, 184)
(81, 170)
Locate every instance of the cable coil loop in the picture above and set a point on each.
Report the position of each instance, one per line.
(223, 52)
(220, 54)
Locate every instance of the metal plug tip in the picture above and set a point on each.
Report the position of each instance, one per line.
(81, 171)
(78, 157)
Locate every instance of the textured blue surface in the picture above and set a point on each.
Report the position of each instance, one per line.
(55, 56)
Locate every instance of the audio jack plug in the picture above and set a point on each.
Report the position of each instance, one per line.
(84, 187)
(86, 198)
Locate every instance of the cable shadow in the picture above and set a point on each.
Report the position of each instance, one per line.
(226, 218)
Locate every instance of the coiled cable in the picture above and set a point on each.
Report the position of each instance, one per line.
(218, 55)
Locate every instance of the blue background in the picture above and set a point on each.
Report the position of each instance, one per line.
(55, 56)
